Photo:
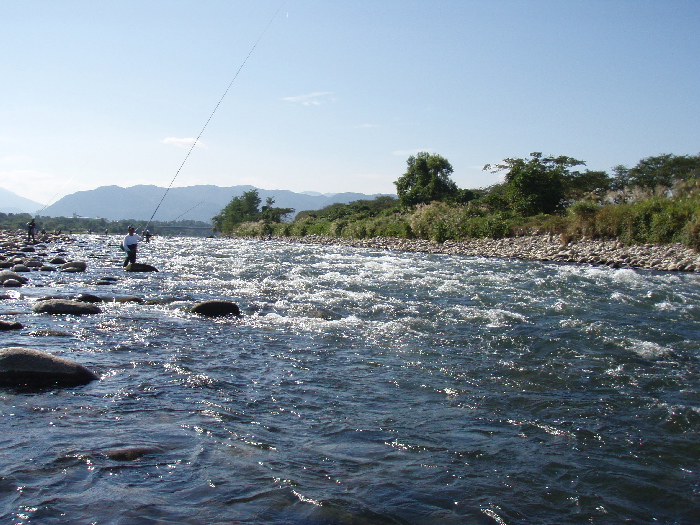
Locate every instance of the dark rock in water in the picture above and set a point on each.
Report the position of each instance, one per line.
(140, 267)
(7, 325)
(24, 367)
(49, 333)
(47, 269)
(74, 266)
(131, 453)
(27, 249)
(9, 283)
(58, 260)
(5, 275)
(216, 308)
(6, 264)
(88, 298)
(65, 306)
(20, 268)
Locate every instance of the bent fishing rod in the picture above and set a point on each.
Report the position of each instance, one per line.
(214, 110)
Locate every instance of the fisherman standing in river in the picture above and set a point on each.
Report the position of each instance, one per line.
(129, 246)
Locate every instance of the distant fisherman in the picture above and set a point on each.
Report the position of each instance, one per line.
(129, 245)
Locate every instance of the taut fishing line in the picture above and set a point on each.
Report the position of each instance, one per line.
(215, 108)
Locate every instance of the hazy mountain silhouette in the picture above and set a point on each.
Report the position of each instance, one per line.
(12, 203)
(199, 203)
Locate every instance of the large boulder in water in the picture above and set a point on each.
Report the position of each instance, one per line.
(216, 308)
(6, 275)
(74, 267)
(21, 367)
(140, 267)
(65, 306)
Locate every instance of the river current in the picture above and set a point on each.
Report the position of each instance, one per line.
(359, 386)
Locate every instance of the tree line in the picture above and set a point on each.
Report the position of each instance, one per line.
(18, 221)
(657, 200)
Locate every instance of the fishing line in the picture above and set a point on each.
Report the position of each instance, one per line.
(215, 108)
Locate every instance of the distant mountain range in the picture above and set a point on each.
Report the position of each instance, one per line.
(199, 203)
(12, 203)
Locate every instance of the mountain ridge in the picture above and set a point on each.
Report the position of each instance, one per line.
(200, 202)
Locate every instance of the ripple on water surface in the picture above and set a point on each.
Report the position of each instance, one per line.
(360, 386)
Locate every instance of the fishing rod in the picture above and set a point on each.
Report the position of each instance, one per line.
(215, 108)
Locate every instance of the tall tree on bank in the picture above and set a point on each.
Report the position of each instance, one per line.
(536, 185)
(426, 180)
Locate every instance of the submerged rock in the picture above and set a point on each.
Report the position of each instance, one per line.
(131, 453)
(216, 308)
(25, 367)
(140, 267)
(65, 306)
(8, 325)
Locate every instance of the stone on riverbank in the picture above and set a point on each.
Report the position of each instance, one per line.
(25, 367)
(65, 306)
(216, 308)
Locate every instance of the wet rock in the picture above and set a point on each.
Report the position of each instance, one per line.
(140, 267)
(47, 269)
(20, 268)
(50, 333)
(25, 367)
(74, 266)
(58, 260)
(11, 283)
(65, 306)
(8, 325)
(216, 308)
(128, 299)
(131, 453)
(87, 298)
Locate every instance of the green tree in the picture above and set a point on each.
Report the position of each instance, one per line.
(426, 180)
(240, 209)
(536, 185)
(663, 170)
(271, 214)
(579, 184)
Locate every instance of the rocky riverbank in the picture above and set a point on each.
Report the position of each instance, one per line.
(542, 247)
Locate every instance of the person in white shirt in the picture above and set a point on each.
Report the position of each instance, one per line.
(129, 244)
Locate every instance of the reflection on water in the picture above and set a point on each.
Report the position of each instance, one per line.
(360, 386)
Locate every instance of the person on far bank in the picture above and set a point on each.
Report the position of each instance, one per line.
(130, 243)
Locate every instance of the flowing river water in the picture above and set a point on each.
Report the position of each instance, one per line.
(359, 386)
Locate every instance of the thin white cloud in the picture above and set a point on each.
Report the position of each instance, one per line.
(182, 143)
(311, 99)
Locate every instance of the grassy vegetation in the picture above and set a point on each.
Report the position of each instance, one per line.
(641, 216)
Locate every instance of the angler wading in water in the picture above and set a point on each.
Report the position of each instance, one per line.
(129, 245)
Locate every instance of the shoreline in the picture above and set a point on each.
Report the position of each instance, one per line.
(538, 247)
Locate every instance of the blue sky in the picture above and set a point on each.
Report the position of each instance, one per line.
(337, 94)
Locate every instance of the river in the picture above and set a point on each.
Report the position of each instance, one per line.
(360, 386)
